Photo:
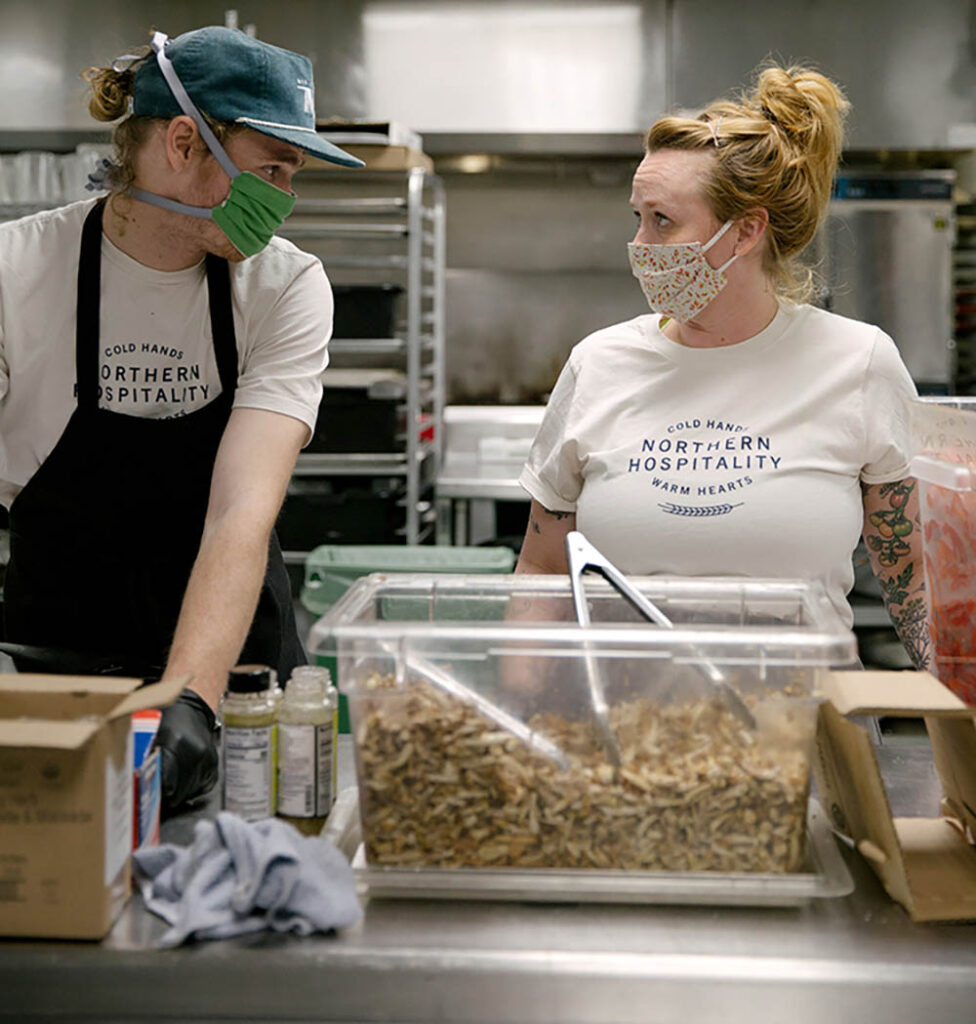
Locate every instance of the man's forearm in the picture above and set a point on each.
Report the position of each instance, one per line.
(219, 604)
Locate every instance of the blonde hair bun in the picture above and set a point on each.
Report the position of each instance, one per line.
(804, 103)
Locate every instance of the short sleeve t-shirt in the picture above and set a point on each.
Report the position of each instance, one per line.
(740, 460)
(156, 355)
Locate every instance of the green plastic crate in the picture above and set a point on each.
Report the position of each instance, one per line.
(332, 568)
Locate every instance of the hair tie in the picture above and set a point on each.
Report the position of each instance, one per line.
(100, 179)
(713, 127)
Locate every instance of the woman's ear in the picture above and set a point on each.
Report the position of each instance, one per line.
(182, 142)
(751, 229)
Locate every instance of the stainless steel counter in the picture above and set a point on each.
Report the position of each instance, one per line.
(854, 959)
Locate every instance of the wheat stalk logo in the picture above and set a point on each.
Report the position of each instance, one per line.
(698, 510)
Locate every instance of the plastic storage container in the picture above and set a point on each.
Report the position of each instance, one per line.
(474, 738)
(331, 569)
(944, 462)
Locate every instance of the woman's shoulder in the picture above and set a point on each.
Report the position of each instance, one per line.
(832, 328)
(615, 339)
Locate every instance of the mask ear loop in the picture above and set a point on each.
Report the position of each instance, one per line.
(718, 234)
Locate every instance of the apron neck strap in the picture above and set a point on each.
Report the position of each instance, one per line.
(87, 320)
(222, 322)
(87, 309)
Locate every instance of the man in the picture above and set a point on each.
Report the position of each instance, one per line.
(160, 369)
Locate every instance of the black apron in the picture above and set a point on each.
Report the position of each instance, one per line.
(104, 535)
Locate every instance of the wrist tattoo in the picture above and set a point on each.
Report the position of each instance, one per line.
(911, 624)
(904, 597)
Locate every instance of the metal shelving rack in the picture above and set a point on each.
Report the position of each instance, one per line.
(386, 227)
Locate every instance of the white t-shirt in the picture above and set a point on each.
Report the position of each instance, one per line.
(156, 355)
(740, 460)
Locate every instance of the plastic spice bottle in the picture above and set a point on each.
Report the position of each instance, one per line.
(248, 742)
(307, 749)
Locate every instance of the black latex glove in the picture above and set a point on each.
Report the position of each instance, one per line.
(187, 741)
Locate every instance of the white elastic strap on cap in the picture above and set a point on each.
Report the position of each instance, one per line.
(188, 107)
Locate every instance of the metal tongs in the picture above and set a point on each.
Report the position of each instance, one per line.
(582, 556)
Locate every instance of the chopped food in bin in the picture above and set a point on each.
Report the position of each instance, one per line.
(442, 786)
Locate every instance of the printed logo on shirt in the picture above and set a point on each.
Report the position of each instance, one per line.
(151, 380)
(700, 460)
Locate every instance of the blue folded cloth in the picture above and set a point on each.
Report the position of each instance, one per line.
(239, 877)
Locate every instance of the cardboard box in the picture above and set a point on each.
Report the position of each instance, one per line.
(927, 864)
(66, 800)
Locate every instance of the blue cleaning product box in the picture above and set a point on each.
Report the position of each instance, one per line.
(147, 792)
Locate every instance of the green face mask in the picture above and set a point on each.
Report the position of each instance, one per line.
(252, 212)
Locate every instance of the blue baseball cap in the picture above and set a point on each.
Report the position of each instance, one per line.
(236, 79)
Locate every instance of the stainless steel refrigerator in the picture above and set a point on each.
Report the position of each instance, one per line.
(885, 255)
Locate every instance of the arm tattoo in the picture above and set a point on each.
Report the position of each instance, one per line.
(903, 589)
(892, 524)
(557, 515)
(910, 618)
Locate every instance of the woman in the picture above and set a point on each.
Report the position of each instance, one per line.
(737, 430)
(160, 369)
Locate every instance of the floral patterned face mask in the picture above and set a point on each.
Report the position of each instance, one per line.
(677, 279)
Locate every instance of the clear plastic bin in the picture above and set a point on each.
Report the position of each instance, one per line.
(944, 462)
(331, 569)
(503, 768)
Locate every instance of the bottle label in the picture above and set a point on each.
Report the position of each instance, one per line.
(304, 770)
(249, 771)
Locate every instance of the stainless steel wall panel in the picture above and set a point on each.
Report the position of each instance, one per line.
(908, 69)
(537, 261)
(43, 48)
(557, 220)
(509, 332)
